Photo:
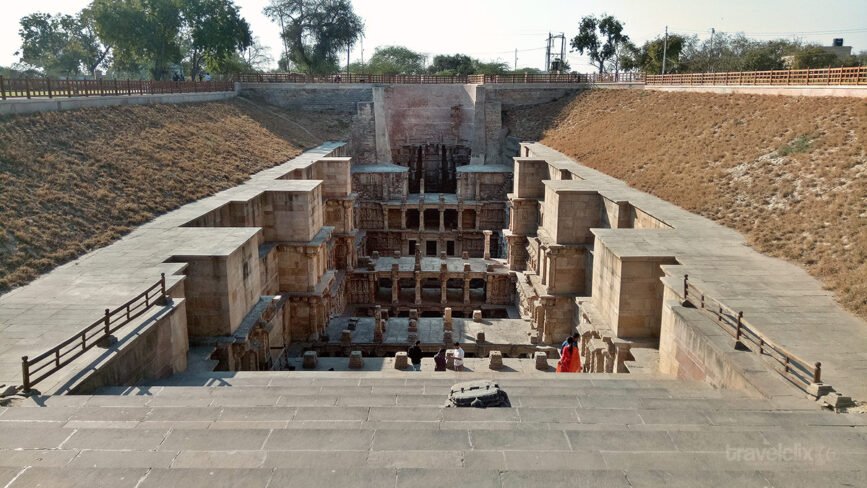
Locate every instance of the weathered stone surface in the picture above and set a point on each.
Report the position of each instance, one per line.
(541, 359)
(400, 360)
(310, 359)
(496, 360)
(355, 360)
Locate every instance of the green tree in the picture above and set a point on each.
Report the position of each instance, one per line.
(452, 65)
(393, 60)
(314, 31)
(215, 33)
(490, 68)
(648, 58)
(814, 57)
(61, 44)
(600, 38)
(142, 32)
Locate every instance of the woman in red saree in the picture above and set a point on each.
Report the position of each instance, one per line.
(570, 359)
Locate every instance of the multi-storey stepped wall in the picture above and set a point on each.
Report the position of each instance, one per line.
(592, 253)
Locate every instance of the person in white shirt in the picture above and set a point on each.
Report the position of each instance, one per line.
(458, 357)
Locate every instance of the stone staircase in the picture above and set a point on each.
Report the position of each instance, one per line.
(388, 429)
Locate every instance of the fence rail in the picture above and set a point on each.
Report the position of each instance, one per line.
(44, 365)
(797, 370)
(48, 88)
(826, 76)
(440, 79)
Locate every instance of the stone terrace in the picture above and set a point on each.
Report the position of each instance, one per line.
(38, 316)
(780, 299)
(387, 428)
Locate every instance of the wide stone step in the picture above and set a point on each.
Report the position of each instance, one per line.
(565, 474)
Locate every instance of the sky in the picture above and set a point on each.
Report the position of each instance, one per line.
(493, 29)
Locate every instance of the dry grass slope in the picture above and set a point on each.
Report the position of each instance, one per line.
(789, 173)
(75, 181)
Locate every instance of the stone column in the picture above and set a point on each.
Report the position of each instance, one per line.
(466, 283)
(444, 277)
(417, 288)
(395, 283)
(403, 217)
(460, 214)
(385, 218)
(442, 220)
(550, 262)
(487, 234)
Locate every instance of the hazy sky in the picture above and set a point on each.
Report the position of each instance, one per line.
(493, 29)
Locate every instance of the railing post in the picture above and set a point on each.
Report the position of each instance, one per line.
(817, 373)
(48, 86)
(107, 320)
(25, 374)
(786, 366)
(685, 287)
(2, 88)
(740, 322)
(68, 89)
(163, 287)
(27, 87)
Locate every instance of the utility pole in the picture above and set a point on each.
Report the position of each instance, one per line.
(516, 60)
(664, 49)
(548, 54)
(712, 32)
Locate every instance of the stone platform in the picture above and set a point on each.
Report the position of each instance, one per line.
(388, 428)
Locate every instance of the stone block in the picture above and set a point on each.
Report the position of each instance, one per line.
(383, 324)
(480, 336)
(447, 337)
(450, 359)
(477, 315)
(310, 359)
(496, 358)
(400, 360)
(374, 255)
(355, 360)
(345, 337)
(413, 326)
(465, 255)
(413, 314)
(541, 361)
(443, 255)
(534, 337)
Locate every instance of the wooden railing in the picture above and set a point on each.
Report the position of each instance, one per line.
(44, 365)
(439, 79)
(797, 370)
(825, 76)
(48, 88)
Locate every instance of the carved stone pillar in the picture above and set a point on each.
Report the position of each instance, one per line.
(551, 269)
(395, 283)
(487, 234)
(417, 288)
(385, 218)
(444, 278)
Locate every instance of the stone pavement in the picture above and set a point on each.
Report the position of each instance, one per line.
(388, 428)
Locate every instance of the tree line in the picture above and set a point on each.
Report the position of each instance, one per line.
(172, 39)
(609, 49)
(159, 39)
